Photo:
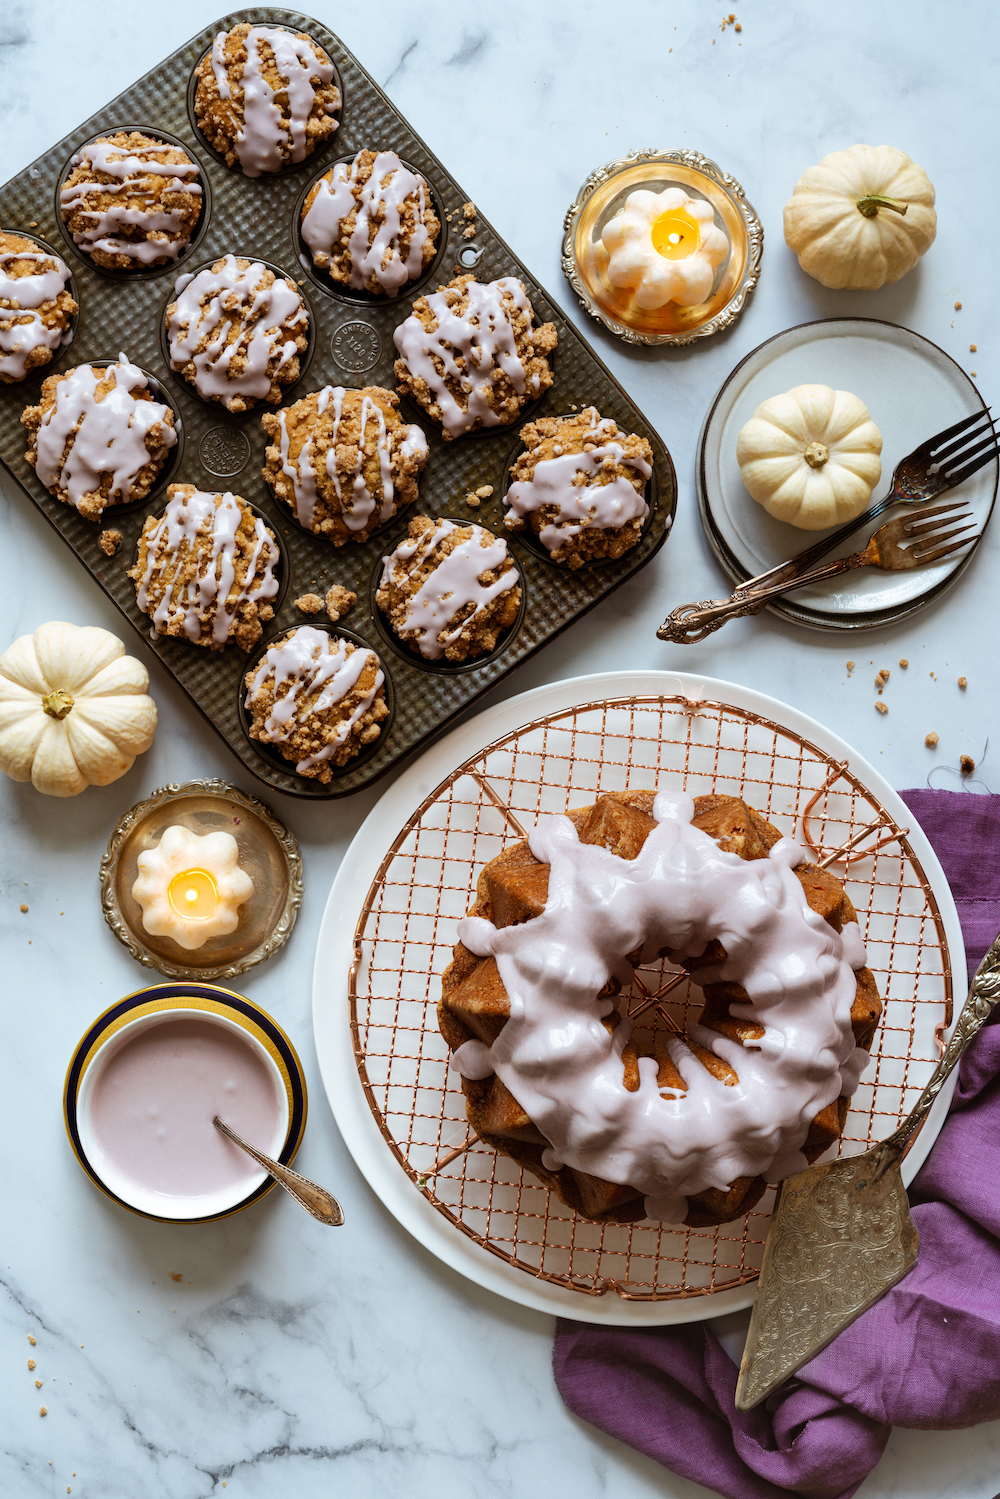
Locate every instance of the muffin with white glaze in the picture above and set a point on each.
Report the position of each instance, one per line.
(131, 201)
(35, 306)
(370, 223)
(343, 461)
(449, 590)
(235, 332)
(206, 569)
(318, 698)
(265, 97)
(98, 436)
(580, 487)
(470, 356)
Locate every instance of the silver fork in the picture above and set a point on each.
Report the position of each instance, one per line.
(922, 529)
(937, 465)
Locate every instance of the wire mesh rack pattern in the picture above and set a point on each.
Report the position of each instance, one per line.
(426, 884)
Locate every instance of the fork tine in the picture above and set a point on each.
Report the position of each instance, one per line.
(934, 443)
(985, 432)
(934, 522)
(945, 551)
(973, 468)
(932, 510)
(916, 551)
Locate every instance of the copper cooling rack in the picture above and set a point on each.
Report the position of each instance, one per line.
(426, 883)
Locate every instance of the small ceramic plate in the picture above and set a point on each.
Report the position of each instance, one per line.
(189, 1000)
(912, 389)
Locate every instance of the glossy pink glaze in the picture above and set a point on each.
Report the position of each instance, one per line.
(153, 1106)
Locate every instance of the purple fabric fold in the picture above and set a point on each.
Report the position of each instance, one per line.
(926, 1355)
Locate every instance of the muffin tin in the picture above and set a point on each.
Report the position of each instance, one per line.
(350, 344)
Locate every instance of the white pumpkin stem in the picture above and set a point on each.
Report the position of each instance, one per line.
(57, 704)
(870, 204)
(816, 454)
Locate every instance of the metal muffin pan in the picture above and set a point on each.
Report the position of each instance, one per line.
(351, 345)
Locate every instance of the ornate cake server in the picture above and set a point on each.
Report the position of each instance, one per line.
(841, 1234)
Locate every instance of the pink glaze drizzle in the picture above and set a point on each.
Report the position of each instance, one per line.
(116, 161)
(185, 516)
(487, 346)
(28, 294)
(261, 137)
(453, 584)
(111, 438)
(566, 1071)
(312, 662)
(381, 202)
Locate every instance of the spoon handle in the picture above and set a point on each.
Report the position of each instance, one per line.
(314, 1198)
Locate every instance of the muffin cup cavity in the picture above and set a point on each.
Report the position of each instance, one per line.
(68, 337)
(408, 651)
(142, 272)
(282, 571)
(305, 358)
(527, 537)
(350, 295)
(322, 153)
(270, 752)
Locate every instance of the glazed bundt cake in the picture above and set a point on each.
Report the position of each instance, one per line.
(689, 1128)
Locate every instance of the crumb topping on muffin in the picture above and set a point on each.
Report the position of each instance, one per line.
(35, 307)
(470, 356)
(131, 200)
(343, 461)
(265, 97)
(370, 223)
(98, 436)
(580, 486)
(206, 569)
(318, 697)
(236, 331)
(449, 589)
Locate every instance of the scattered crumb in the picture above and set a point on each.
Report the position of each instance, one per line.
(972, 372)
(469, 232)
(338, 600)
(24, 908)
(42, 1411)
(903, 662)
(309, 603)
(176, 1274)
(881, 707)
(468, 210)
(32, 223)
(737, 27)
(973, 349)
(958, 306)
(31, 1363)
(110, 541)
(850, 667)
(38, 1384)
(967, 764)
(963, 682)
(884, 673)
(31, 1340)
(484, 491)
(473, 500)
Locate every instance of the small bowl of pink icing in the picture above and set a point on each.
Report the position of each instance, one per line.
(145, 1083)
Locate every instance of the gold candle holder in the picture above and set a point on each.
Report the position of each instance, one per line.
(268, 853)
(585, 259)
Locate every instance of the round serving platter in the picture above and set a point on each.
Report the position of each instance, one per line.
(409, 877)
(913, 390)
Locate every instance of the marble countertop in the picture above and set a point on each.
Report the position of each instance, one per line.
(261, 1356)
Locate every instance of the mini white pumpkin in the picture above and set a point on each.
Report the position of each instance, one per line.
(811, 456)
(684, 269)
(73, 709)
(862, 218)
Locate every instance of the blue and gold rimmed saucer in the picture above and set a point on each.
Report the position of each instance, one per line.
(206, 1002)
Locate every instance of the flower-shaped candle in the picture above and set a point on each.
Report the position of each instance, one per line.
(665, 246)
(190, 887)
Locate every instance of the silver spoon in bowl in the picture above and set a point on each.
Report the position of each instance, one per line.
(315, 1199)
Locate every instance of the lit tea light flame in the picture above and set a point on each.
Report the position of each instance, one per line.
(675, 235)
(194, 895)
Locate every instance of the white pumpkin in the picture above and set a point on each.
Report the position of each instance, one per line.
(811, 456)
(73, 709)
(862, 218)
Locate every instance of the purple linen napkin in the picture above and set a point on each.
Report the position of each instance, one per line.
(926, 1355)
